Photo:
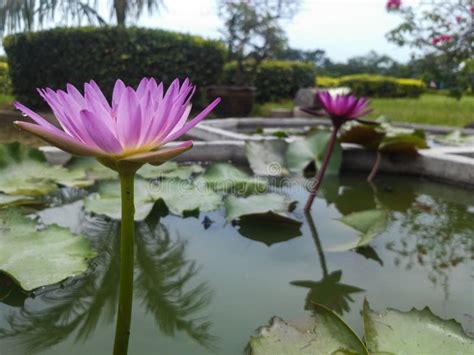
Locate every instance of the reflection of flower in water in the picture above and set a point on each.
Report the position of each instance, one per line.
(329, 291)
(163, 273)
(437, 235)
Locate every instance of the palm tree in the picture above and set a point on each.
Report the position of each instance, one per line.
(27, 15)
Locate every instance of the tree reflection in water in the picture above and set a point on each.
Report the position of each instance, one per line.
(437, 235)
(162, 274)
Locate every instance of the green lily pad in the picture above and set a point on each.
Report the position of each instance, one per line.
(107, 200)
(170, 170)
(368, 136)
(369, 224)
(385, 138)
(18, 200)
(93, 169)
(302, 152)
(181, 196)
(455, 138)
(276, 205)
(228, 178)
(269, 228)
(37, 258)
(403, 143)
(324, 333)
(267, 157)
(389, 332)
(25, 171)
(413, 332)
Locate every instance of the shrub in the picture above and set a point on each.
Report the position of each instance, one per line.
(326, 82)
(55, 57)
(274, 79)
(382, 86)
(5, 83)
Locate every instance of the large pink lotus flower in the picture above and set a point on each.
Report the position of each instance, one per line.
(137, 128)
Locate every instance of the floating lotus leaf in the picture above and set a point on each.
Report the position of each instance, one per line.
(325, 333)
(413, 332)
(25, 171)
(277, 205)
(369, 224)
(228, 178)
(169, 169)
(269, 228)
(311, 149)
(389, 332)
(368, 136)
(36, 257)
(278, 158)
(267, 157)
(18, 200)
(455, 138)
(107, 200)
(93, 169)
(181, 196)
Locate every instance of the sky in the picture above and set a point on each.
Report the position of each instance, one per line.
(343, 28)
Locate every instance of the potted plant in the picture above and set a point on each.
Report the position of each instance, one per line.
(252, 34)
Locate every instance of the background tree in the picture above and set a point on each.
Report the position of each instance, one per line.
(370, 63)
(253, 31)
(442, 30)
(28, 15)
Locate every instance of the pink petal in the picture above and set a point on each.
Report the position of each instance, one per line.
(182, 120)
(93, 89)
(119, 89)
(161, 118)
(59, 139)
(148, 113)
(129, 119)
(160, 156)
(100, 133)
(74, 93)
(34, 116)
(142, 88)
(193, 122)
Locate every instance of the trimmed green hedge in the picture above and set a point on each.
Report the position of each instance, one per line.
(375, 85)
(75, 55)
(275, 79)
(5, 82)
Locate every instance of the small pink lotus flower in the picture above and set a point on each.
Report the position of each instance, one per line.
(341, 108)
(137, 128)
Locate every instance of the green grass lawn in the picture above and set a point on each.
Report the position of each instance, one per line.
(428, 109)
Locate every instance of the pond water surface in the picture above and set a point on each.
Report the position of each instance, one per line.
(203, 288)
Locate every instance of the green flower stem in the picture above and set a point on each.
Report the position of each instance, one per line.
(322, 170)
(375, 168)
(124, 313)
